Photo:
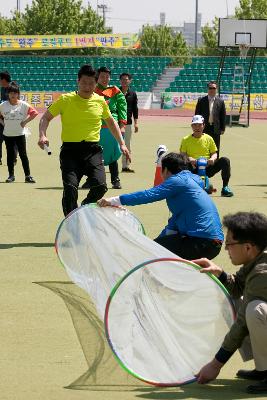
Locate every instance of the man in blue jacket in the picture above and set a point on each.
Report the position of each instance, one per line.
(194, 227)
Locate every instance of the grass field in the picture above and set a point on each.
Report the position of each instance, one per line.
(40, 352)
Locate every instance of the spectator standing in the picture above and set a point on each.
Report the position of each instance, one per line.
(118, 107)
(5, 80)
(212, 109)
(16, 114)
(132, 115)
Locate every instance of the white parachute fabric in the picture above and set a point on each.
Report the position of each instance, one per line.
(165, 320)
(97, 246)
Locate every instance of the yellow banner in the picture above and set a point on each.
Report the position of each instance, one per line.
(40, 100)
(258, 101)
(48, 42)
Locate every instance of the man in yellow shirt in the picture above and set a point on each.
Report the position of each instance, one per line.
(199, 144)
(81, 117)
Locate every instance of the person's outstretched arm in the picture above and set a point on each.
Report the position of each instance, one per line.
(115, 130)
(209, 372)
(43, 125)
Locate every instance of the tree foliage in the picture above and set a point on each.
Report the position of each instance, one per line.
(16, 24)
(251, 9)
(210, 39)
(180, 50)
(161, 41)
(51, 17)
(4, 25)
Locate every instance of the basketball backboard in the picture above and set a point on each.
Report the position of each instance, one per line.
(235, 32)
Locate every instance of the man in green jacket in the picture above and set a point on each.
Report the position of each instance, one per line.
(118, 107)
(246, 243)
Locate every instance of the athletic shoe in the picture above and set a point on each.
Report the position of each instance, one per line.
(29, 179)
(127, 169)
(10, 179)
(226, 192)
(251, 374)
(0, 162)
(258, 388)
(116, 184)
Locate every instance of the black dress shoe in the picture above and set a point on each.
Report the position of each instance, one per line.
(116, 184)
(29, 179)
(252, 374)
(127, 169)
(10, 179)
(258, 388)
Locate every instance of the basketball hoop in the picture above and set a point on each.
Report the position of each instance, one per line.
(243, 49)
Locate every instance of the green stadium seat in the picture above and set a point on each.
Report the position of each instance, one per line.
(59, 72)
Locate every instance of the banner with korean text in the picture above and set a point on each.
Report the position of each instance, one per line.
(40, 100)
(49, 42)
(258, 102)
(169, 100)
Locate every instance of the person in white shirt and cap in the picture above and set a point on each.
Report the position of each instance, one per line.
(199, 144)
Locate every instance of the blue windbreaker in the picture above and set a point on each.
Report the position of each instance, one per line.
(193, 211)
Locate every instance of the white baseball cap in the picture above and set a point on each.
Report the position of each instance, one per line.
(161, 149)
(197, 119)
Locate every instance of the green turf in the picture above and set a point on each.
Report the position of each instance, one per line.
(40, 352)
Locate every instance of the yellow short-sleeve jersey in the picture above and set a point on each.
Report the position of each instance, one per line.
(198, 147)
(81, 118)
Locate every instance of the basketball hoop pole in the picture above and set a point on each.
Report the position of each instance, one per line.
(248, 81)
(196, 24)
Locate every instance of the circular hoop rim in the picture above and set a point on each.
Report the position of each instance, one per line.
(114, 290)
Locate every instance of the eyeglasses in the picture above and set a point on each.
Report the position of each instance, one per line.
(211, 88)
(227, 244)
(232, 243)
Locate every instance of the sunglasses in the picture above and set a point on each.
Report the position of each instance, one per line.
(212, 87)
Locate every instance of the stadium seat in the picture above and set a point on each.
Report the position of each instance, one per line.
(203, 69)
(59, 72)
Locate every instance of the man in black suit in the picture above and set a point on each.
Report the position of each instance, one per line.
(212, 108)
